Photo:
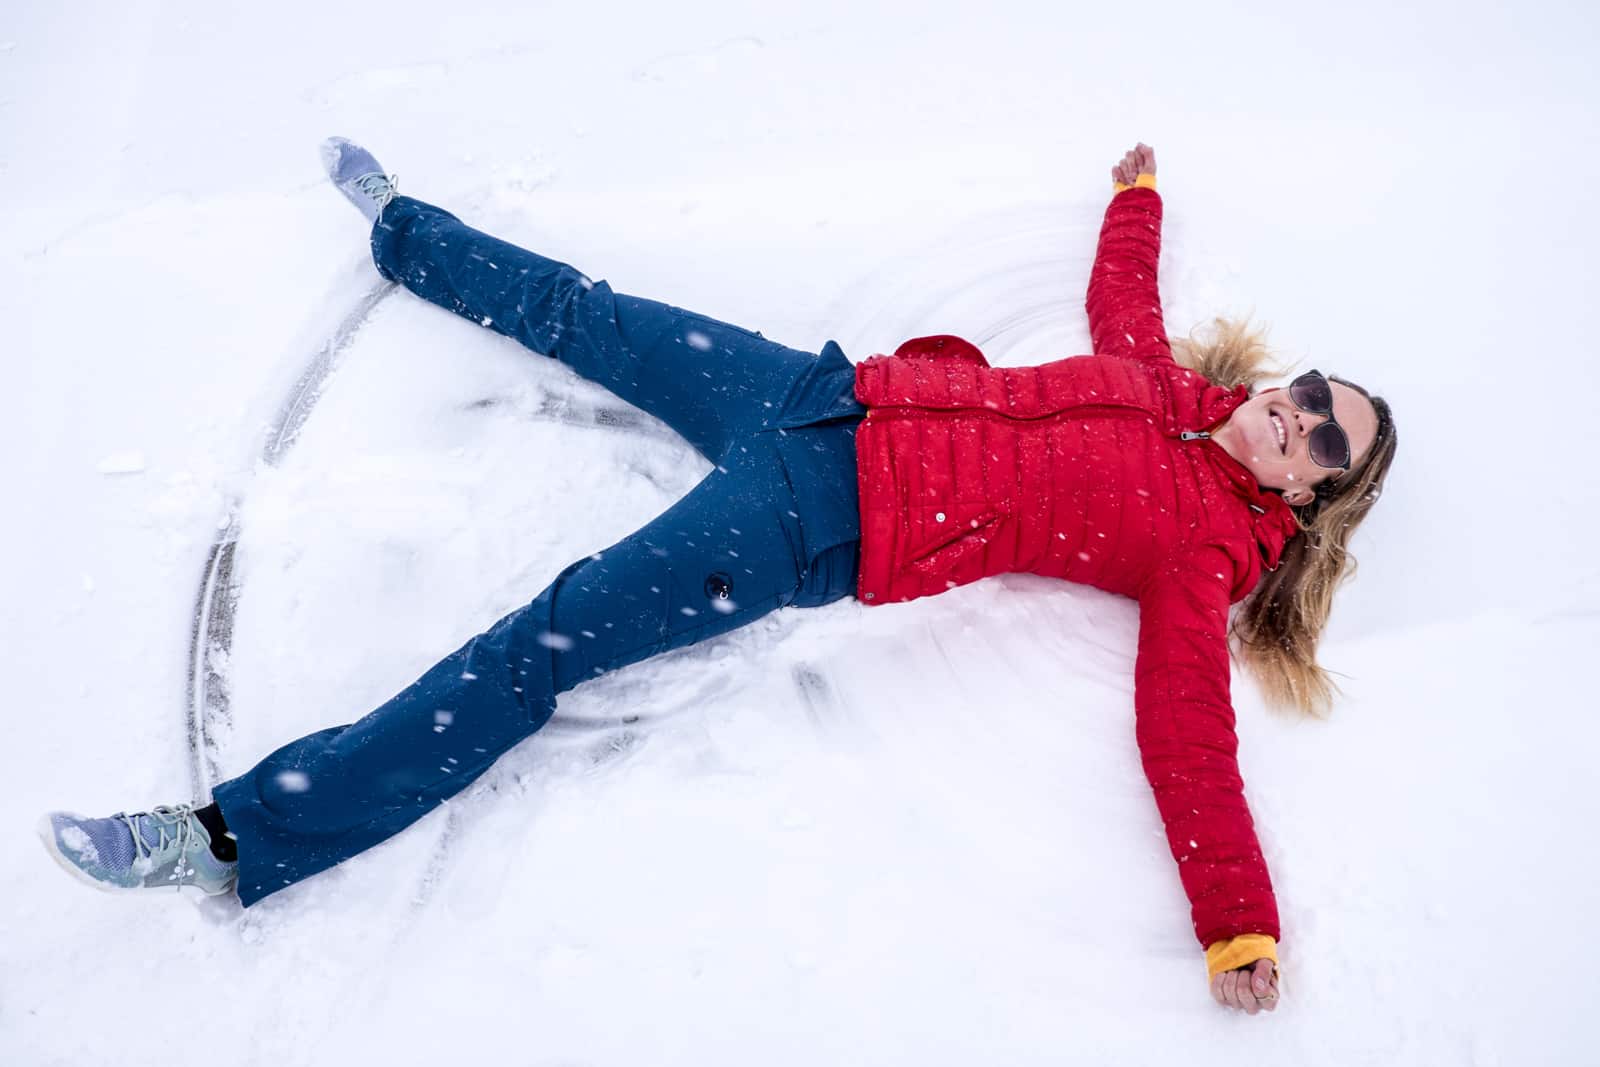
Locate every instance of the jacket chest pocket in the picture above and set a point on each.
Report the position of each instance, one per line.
(950, 534)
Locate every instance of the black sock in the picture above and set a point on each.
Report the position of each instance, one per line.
(222, 843)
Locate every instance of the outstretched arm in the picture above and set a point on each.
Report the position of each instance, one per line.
(1124, 303)
(1186, 737)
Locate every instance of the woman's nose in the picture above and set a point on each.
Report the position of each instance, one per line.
(1305, 422)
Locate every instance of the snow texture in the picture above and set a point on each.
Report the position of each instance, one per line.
(909, 835)
(73, 838)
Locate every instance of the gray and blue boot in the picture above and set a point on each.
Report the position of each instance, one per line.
(358, 176)
(166, 847)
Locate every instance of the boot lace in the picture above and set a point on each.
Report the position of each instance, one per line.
(173, 825)
(380, 188)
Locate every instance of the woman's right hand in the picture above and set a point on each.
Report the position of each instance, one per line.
(1141, 159)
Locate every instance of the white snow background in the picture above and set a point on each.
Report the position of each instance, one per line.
(905, 835)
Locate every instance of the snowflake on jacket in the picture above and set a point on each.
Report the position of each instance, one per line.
(1079, 469)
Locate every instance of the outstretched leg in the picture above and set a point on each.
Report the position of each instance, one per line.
(710, 381)
(775, 523)
(726, 554)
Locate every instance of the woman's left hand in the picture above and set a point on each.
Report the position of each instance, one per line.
(1250, 989)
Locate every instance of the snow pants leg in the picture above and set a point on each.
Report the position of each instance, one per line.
(775, 523)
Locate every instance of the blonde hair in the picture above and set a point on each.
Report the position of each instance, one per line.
(1277, 629)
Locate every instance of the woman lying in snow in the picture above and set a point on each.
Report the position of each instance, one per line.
(896, 478)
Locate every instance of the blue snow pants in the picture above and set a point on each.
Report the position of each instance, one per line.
(775, 523)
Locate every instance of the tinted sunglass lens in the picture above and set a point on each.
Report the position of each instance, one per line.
(1311, 392)
(1328, 446)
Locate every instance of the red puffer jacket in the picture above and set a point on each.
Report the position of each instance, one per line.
(1095, 469)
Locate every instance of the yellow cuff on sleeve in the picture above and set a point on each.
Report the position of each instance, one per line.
(1143, 181)
(1234, 952)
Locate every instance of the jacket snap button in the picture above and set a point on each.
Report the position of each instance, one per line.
(939, 517)
(719, 586)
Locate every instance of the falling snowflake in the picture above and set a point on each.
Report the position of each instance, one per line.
(294, 781)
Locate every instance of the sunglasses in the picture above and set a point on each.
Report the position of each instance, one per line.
(1328, 444)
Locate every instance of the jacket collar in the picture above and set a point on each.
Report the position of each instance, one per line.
(1273, 522)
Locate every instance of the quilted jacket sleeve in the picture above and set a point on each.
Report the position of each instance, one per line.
(1186, 737)
(1123, 302)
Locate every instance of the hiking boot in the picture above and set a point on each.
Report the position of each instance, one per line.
(145, 850)
(358, 176)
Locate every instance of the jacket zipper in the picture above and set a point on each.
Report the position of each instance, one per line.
(1205, 435)
(907, 412)
(1122, 410)
(898, 411)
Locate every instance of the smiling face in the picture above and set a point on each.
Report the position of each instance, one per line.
(1267, 434)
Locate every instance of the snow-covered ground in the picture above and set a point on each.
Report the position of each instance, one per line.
(915, 834)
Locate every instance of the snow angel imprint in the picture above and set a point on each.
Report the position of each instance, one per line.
(1152, 469)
